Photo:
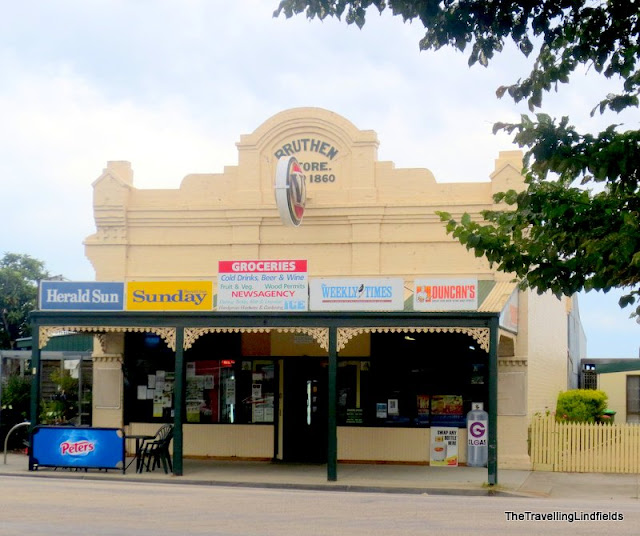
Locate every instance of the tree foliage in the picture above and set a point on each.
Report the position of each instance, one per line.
(577, 225)
(19, 276)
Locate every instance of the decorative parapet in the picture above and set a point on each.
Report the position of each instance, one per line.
(480, 335)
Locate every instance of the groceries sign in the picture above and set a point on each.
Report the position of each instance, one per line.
(263, 285)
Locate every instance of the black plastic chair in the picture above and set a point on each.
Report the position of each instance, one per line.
(156, 451)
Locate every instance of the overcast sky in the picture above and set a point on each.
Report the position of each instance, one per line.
(171, 85)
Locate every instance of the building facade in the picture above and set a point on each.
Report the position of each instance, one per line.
(620, 380)
(267, 391)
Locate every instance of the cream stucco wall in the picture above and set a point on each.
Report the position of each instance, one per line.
(108, 396)
(547, 338)
(367, 219)
(372, 220)
(615, 385)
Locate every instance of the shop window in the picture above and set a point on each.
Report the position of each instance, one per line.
(229, 389)
(413, 382)
(149, 374)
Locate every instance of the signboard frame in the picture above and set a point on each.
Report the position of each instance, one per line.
(445, 294)
(169, 296)
(356, 294)
(81, 296)
(263, 285)
(443, 450)
(82, 440)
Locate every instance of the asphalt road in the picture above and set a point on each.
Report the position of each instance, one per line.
(49, 506)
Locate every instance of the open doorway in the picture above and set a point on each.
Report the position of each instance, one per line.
(305, 410)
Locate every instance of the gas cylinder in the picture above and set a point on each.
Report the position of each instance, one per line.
(477, 436)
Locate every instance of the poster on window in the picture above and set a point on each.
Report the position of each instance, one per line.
(230, 391)
(268, 408)
(423, 407)
(193, 411)
(209, 381)
(381, 410)
(447, 410)
(444, 447)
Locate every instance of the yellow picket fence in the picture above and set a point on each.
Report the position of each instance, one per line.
(584, 447)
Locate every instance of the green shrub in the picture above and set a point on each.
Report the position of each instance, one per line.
(67, 385)
(62, 407)
(16, 395)
(581, 405)
(54, 412)
(16, 400)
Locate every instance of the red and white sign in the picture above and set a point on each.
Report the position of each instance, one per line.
(290, 190)
(445, 295)
(77, 448)
(509, 315)
(263, 285)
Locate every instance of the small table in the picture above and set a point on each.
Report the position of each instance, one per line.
(137, 456)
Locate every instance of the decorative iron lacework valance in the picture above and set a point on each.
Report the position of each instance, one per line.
(168, 335)
(320, 335)
(480, 335)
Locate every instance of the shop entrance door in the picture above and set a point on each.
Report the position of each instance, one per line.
(305, 410)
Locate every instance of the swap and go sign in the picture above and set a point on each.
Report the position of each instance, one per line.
(271, 285)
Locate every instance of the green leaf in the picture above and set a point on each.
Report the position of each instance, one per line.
(576, 225)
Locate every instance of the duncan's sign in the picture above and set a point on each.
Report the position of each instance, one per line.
(445, 295)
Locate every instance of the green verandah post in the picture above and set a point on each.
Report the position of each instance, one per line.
(35, 382)
(35, 377)
(492, 462)
(179, 393)
(332, 443)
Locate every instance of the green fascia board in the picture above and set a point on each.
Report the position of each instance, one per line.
(484, 289)
(79, 342)
(74, 342)
(622, 366)
(257, 319)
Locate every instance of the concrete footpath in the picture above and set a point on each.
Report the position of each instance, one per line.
(386, 478)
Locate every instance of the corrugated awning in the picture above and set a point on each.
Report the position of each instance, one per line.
(497, 297)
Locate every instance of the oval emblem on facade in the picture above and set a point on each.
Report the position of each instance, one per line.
(291, 191)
